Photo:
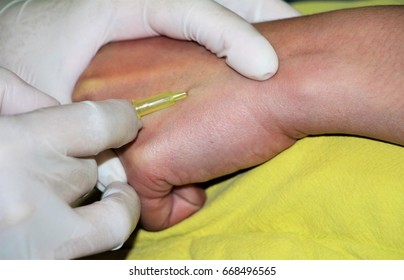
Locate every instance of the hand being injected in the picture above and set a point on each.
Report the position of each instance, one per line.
(347, 80)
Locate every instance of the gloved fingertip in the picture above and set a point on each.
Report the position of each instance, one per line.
(256, 70)
(261, 76)
(118, 247)
(100, 186)
(125, 192)
(260, 64)
(110, 169)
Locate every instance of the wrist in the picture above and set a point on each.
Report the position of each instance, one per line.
(342, 78)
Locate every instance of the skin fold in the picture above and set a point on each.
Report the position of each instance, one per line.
(340, 72)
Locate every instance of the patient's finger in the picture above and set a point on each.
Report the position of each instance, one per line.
(163, 211)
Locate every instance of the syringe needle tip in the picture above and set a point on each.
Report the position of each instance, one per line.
(180, 95)
(157, 102)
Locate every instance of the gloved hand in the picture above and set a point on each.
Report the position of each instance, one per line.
(16, 96)
(48, 43)
(46, 165)
(255, 11)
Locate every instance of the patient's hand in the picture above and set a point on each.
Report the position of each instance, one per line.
(332, 79)
(220, 128)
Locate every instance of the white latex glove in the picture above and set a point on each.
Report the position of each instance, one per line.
(48, 43)
(46, 165)
(255, 11)
(16, 96)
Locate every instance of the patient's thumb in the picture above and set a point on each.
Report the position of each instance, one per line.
(181, 203)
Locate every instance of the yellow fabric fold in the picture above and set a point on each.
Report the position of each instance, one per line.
(313, 7)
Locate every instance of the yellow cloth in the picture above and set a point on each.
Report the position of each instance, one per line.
(312, 7)
(328, 197)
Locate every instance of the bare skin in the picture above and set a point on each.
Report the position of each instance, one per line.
(340, 72)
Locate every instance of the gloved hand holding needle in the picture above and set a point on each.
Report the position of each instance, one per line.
(46, 165)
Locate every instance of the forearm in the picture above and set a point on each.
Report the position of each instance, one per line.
(345, 80)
